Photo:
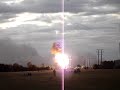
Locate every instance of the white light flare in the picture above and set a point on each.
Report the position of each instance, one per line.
(62, 60)
(63, 44)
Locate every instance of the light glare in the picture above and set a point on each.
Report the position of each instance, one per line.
(62, 60)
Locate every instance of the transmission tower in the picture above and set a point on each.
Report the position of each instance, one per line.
(99, 55)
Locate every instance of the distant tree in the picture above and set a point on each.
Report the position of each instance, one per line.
(29, 64)
(16, 65)
(96, 66)
(108, 64)
(31, 67)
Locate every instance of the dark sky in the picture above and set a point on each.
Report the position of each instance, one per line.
(89, 25)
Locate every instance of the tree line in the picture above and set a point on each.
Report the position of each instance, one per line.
(16, 67)
(108, 65)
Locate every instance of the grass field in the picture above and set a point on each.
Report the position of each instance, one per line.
(86, 80)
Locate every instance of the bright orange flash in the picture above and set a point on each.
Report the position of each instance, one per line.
(62, 60)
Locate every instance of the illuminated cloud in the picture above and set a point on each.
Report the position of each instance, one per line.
(11, 2)
(89, 24)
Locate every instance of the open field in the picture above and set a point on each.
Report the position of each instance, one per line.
(86, 80)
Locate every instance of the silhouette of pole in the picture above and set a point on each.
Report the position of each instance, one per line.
(101, 54)
(98, 55)
(89, 62)
(119, 50)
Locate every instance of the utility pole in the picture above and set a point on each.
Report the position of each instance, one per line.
(100, 55)
(119, 50)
